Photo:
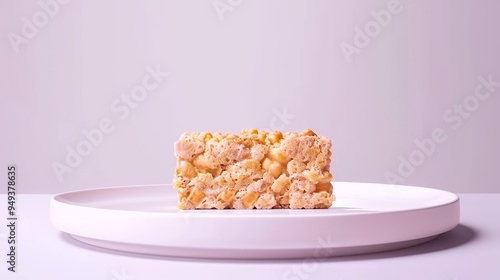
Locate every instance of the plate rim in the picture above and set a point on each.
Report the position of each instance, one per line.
(253, 213)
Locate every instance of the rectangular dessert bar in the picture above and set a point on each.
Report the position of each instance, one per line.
(253, 169)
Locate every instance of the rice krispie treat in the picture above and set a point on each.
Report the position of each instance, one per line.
(253, 169)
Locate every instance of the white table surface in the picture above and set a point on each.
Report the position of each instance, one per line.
(470, 251)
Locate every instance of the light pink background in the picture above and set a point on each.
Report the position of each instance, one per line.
(238, 72)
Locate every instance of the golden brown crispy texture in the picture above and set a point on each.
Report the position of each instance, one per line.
(253, 170)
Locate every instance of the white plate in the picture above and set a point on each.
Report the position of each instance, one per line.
(365, 218)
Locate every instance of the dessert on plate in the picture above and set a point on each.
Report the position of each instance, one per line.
(253, 170)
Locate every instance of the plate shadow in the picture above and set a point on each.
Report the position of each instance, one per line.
(460, 235)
